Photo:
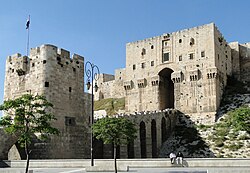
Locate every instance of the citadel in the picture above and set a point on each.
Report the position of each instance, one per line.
(181, 72)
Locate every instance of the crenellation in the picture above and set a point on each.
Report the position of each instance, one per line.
(64, 54)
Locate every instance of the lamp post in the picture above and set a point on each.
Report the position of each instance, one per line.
(93, 76)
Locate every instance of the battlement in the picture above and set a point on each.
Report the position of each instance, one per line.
(41, 55)
(168, 35)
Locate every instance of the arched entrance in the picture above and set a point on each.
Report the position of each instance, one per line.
(154, 138)
(143, 140)
(166, 89)
(131, 151)
(163, 130)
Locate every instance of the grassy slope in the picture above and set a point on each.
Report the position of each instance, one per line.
(110, 105)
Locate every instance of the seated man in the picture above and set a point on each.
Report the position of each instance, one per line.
(179, 158)
(172, 157)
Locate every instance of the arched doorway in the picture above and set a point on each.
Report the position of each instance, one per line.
(143, 140)
(98, 148)
(166, 89)
(131, 151)
(154, 139)
(163, 130)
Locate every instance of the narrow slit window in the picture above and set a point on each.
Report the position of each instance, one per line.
(134, 67)
(180, 58)
(142, 65)
(46, 84)
(203, 54)
(143, 52)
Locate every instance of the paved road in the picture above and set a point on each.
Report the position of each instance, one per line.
(135, 170)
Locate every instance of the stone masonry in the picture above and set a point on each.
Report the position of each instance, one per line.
(186, 70)
(51, 72)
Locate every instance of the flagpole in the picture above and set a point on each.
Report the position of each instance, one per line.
(28, 39)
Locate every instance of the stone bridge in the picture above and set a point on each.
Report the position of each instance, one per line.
(153, 129)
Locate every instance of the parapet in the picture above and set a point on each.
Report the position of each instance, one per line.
(78, 58)
(59, 52)
(44, 53)
(13, 57)
(166, 35)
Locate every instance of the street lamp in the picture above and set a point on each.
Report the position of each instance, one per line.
(93, 76)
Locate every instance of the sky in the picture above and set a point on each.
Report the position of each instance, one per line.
(100, 29)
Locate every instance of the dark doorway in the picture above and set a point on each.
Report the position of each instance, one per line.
(131, 152)
(166, 89)
(98, 149)
(154, 139)
(143, 140)
(163, 130)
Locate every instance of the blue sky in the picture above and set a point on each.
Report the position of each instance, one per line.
(100, 29)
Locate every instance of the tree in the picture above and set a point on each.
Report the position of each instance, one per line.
(116, 131)
(26, 116)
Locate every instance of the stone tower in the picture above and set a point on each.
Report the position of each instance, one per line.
(51, 72)
(186, 70)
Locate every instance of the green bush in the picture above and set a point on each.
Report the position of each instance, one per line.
(235, 146)
(240, 119)
(219, 143)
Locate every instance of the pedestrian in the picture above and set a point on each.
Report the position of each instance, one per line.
(179, 158)
(172, 158)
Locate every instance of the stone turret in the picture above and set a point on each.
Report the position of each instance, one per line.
(51, 72)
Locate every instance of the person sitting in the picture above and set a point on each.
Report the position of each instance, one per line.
(172, 157)
(179, 158)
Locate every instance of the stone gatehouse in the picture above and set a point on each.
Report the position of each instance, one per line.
(186, 70)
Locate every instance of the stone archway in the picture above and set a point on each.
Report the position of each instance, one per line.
(131, 150)
(143, 140)
(163, 130)
(154, 138)
(6, 142)
(166, 89)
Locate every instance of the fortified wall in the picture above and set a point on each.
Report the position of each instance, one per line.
(50, 71)
(186, 70)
